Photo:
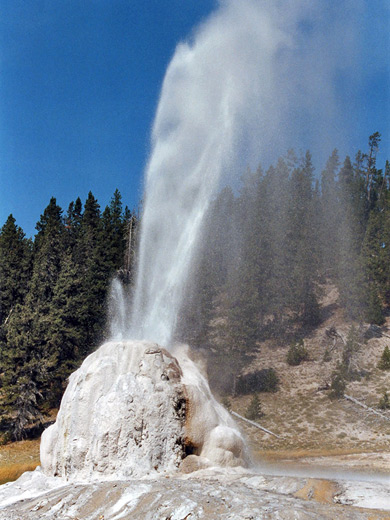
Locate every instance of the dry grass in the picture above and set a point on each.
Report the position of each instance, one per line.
(274, 456)
(13, 471)
(16, 458)
(321, 491)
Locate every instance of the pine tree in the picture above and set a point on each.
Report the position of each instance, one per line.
(329, 215)
(297, 353)
(338, 384)
(374, 311)
(89, 231)
(73, 221)
(114, 233)
(350, 277)
(90, 258)
(254, 410)
(28, 361)
(351, 347)
(372, 175)
(24, 372)
(65, 336)
(301, 245)
(273, 230)
(15, 267)
(384, 362)
(374, 261)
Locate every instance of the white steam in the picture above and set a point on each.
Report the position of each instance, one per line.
(257, 76)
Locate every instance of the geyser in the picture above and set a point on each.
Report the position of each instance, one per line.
(248, 80)
(133, 409)
(221, 92)
(239, 89)
(209, 90)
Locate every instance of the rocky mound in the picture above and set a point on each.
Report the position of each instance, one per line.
(133, 409)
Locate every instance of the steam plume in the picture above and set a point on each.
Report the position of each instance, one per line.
(256, 76)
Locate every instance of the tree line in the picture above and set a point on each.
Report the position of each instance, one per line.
(267, 250)
(53, 292)
(271, 247)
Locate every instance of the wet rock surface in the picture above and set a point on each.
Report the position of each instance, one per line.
(211, 494)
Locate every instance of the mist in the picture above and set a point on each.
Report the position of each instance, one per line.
(255, 79)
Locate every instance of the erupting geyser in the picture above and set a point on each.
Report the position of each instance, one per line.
(133, 408)
(245, 84)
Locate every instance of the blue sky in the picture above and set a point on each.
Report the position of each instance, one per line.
(79, 85)
(78, 90)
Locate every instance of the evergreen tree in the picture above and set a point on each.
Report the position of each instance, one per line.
(73, 221)
(374, 312)
(372, 175)
(384, 362)
(89, 232)
(302, 245)
(338, 384)
(374, 257)
(254, 410)
(114, 233)
(329, 215)
(28, 360)
(24, 372)
(15, 267)
(350, 278)
(65, 336)
(351, 347)
(297, 353)
(274, 264)
(93, 268)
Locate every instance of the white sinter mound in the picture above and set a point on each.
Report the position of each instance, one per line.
(131, 410)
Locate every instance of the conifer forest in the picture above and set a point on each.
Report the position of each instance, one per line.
(270, 246)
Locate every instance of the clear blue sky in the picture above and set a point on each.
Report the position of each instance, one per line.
(79, 84)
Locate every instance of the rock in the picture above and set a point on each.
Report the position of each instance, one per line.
(118, 416)
(210, 431)
(224, 494)
(133, 409)
(193, 463)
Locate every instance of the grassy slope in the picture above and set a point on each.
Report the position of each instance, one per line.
(306, 418)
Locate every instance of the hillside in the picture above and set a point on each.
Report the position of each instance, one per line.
(303, 415)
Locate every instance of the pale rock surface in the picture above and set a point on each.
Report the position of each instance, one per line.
(209, 428)
(122, 414)
(131, 410)
(211, 494)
